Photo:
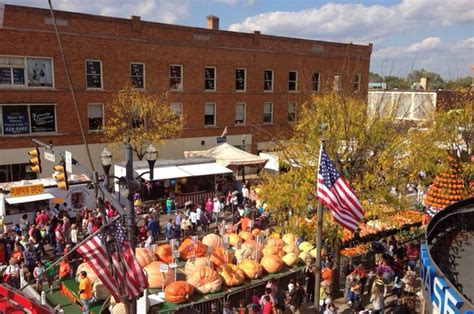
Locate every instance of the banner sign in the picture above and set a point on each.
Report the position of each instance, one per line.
(24, 190)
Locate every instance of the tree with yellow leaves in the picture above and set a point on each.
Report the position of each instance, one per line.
(147, 117)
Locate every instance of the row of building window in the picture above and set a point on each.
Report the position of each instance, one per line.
(33, 119)
(38, 72)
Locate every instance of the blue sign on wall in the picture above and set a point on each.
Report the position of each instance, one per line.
(15, 120)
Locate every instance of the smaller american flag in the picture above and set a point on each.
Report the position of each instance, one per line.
(131, 277)
(334, 192)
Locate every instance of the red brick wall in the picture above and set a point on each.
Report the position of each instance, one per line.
(113, 41)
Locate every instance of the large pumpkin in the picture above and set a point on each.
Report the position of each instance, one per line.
(291, 248)
(90, 272)
(156, 278)
(212, 240)
(100, 291)
(221, 256)
(144, 256)
(276, 242)
(256, 232)
(234, 239)
(245, 235)
(193, 264)
(289, 238)
(271, 263)
(273, 250)
(188, 249)
(205, 280)
(251, 268)
(119, 308)
(290, 259)
(178, 292)
(246, 251)
(305, 257)
(164, 253)
(305, 246)
(231, 275)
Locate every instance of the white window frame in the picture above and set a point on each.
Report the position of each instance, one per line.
(215, 115)
(245, 113)
(28, 106)
(214, 79)
(101, 74)
(144, 75)
(272, 80)
(294, 112)
(25, 74)
(271, 113)
(181, 86)
(88, 117)
(296, 81)
(319, 82)
(337, 83)
(354, 81)
(245, 80)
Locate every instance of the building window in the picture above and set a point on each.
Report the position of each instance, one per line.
(210, 78)
(95, 114)
(137, 75)
(356, 83)
(177, 108)
(176, 77)
(240, 113)
(21, 71)
(268, 80)
(94, 73)
(291, 112)
(293, 81)
(315, 82)
(240, 80)
(337, 82)
(210, 114)
(267, 112)
(27, 119)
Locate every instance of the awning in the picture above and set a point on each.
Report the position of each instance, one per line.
(163, 173)
(29, 198)
(205, 169)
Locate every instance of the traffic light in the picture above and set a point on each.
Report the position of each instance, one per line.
(35, 160)
(60, 175)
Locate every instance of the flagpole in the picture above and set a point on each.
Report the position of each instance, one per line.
(317, 268)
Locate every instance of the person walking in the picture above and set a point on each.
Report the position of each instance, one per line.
(409, 281)
(377, 299)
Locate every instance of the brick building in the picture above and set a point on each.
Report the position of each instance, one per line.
(250, 82)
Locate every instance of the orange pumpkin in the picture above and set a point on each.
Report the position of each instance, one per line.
(178, 292)
(234, 239)
(271, 263)
(221, 256)
(164, 253)
(276, 242)
(245, 235)
(270, 250)
(90, 272)
(144, 256)
(212, 240)
(195, 263)
(231, 275)
(251, 268)
(256, 232)
(205, 280)
(156, 278)
(188, 249)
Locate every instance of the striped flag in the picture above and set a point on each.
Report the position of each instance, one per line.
(130, 276)
(334, 192)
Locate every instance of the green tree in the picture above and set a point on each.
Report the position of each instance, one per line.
(462, 82)
(395, 82)
(375, 78)
(147, 117)
(435, 80)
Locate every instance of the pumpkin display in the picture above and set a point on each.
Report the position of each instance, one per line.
(212, 240)
(155, 277)
(221, 256)
(289, 238)
(164, 253)
(195, 263)
(245, 235)
(178, 292)
(245, 251)
(256, 232)
(305, 246)
(234, 239)
(144, 256)
(276, 243)
(291, 248)
(273, 250)
(205, 280)
(189, 249)
(271, 263)
(290, 259)
(251, 268)
(90, 272)
(305, 257)
(231, 275)
(100, 291)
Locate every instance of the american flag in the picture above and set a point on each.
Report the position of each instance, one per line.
(334, 192)
(130, 276)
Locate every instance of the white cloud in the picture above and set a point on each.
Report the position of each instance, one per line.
(358, 22)
(167, 11)
(425, 44)
(246, 3)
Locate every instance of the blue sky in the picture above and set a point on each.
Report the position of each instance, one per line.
(437, 35)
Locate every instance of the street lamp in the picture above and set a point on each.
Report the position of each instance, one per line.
(151, 155)
(106, 161)
(244, 137)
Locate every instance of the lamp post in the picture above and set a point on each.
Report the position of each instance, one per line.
(151, 155)
(106, 161)
(243, 148)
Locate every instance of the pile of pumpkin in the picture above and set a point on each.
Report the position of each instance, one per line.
(209, 265)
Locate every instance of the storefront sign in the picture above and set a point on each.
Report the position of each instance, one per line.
(25, 190)
(436, 290)
(15, 120)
